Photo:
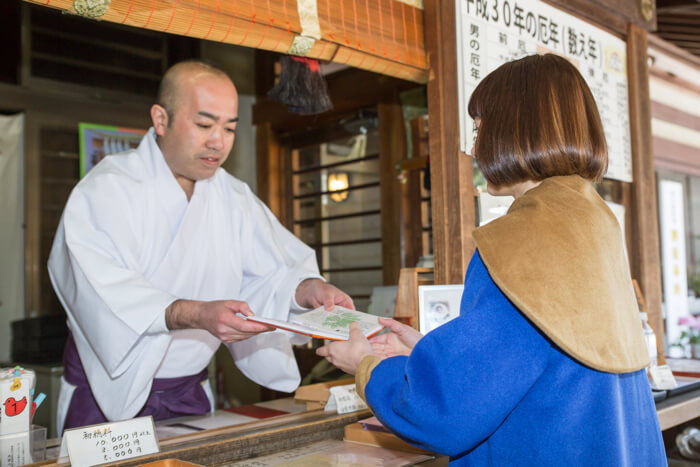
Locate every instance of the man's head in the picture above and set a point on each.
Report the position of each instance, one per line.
(195, 119)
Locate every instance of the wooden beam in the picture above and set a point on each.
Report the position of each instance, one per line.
(673, 50)
(611, 14)
(451, 171)
(684, 44)
(645, 260)
(667, 28)
(678, 19)
(664, 4)
(392, 148)
(679, 38)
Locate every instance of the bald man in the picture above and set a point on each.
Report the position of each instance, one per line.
(158, 252)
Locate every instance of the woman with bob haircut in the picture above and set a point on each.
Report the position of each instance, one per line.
(545, 364)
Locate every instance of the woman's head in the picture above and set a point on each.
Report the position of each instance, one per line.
(538, 119)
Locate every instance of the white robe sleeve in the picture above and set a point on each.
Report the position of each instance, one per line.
(274, 263)
(111, 306)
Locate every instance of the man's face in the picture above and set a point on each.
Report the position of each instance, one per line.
(200, 137)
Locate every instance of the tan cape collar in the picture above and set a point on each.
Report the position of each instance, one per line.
(557, 255)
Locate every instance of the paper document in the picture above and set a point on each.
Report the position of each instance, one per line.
(323, 324)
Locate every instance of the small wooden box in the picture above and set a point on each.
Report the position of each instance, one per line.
(316, 395)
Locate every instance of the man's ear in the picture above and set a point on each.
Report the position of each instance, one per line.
(159, 116)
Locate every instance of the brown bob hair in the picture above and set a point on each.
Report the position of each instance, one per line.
(538, 120)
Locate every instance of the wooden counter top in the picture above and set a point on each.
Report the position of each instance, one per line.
(678, 409)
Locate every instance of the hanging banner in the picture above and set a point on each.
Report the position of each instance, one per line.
(674, 272)
(11, 227)
(490, 33)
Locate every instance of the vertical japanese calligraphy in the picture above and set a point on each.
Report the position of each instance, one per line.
(492, 32)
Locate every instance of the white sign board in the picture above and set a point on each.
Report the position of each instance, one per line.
(344, 399)
(672, 224)
(109, 442)
(493, 32)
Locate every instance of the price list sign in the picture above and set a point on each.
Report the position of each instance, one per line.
(493, 32)
(109, 442)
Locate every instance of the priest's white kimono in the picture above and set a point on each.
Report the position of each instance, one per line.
(129, 244)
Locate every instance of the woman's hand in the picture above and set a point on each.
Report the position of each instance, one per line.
(400, 341)
(347, 355)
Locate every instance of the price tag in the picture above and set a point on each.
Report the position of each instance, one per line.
(344, 399)
(109, 442)
(662, 377)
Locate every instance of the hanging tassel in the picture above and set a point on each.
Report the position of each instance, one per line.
(301, 86)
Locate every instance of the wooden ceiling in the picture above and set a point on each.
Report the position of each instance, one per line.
(678, 21)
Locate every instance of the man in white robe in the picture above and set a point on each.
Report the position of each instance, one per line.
(157, 251)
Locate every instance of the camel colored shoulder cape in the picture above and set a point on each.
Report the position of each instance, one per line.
(557, 255)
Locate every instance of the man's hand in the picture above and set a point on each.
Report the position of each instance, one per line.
(347, 355)
(313, 293)
(400, 341)
(217, 317)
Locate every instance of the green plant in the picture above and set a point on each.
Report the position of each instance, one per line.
(694, 282)
(689, 337)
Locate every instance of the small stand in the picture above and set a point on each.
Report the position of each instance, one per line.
(406, 309)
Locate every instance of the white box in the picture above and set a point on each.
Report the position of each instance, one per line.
(23, 448)
(16, 391)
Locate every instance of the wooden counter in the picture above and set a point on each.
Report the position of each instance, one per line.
(678, 409)
(248, 440)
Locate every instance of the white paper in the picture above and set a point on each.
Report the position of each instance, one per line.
(438, 304)
(15, 449)
(492, 33)
(662, 377)
(344, 399)
(109, 442)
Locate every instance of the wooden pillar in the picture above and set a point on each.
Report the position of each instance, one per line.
(644, 247)
(271, 173)
(452, 188)
(392, 148)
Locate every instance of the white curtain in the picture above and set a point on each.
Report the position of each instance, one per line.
(11, 232)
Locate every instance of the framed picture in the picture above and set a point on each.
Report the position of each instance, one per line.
(383, 301)
(438, 304)
(98, 141)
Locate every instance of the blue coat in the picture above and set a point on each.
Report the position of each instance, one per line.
(488, 388)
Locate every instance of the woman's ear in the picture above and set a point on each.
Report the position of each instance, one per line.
(159, 116)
